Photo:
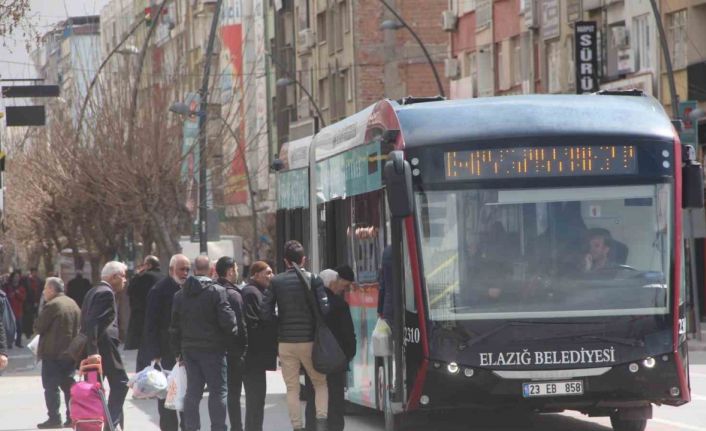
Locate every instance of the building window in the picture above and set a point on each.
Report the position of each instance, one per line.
(503, 69)
(323, 93)
(338, 25)
(484, 13)
(642, 47)
(321, 27)
(516, 62)
(467, 6)
(346, 15)
(676, 23)
(473, 68)
(486, 75)
(553, 67)
(571, 62)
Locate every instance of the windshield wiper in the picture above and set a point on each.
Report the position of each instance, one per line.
(632, 342)
(497, 329)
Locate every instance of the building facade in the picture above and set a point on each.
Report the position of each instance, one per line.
(529, 46)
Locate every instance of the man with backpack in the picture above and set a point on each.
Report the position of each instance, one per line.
(202, 323)
(295, 332)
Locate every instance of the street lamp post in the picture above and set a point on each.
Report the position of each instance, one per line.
(401, 23)
(285, 82)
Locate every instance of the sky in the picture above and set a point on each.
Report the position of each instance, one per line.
(14, 59)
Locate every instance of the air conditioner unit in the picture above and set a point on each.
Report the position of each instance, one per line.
(305, 40)
(451, 68)
(448, 20)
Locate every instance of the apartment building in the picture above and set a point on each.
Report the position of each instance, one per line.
(529, 46)
(339, 52)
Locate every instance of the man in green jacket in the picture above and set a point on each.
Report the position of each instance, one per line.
(57, 325)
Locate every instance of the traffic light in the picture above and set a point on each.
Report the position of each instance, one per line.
(148, 16)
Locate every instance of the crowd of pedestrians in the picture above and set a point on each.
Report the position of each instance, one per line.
(226, 334)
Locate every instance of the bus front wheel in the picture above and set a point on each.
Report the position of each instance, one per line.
(619, 424)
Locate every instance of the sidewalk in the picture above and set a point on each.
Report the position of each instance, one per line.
(22, 399)
(698, 345)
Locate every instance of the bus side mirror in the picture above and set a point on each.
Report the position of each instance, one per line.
(398, 180)
(692, 179)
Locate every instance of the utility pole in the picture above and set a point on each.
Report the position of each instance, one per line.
(203, 118)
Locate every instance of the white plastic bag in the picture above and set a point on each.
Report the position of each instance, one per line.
(33, 345)
(148, 383)
(176, 388)
(382, 339)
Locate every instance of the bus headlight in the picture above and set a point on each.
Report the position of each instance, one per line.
(634, 368)
(468, 372)
(649, 362)
(424, 400)
(452, 368)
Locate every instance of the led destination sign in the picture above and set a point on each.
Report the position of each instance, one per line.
(532, 162)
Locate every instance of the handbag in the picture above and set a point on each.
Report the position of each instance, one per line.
(326, 355)
(77, 347)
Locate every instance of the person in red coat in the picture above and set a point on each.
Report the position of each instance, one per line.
(16, 293)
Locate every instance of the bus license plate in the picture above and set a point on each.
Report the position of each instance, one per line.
(545, 389)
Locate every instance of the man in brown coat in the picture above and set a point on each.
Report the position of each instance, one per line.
(57, 325)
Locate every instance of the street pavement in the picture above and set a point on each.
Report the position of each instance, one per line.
(22, 407)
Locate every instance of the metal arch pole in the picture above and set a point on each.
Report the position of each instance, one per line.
(667, 59)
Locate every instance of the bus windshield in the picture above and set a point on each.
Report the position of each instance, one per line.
(544, 253)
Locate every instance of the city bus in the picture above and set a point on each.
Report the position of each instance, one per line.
(535, 245)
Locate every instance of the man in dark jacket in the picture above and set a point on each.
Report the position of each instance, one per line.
(158, 317)
(202, 323)
(262, 346)
(57, 325)
(99, 322)
(295, 328)
(137, 290)
(78, 287)
(340, 322)
(227, 271)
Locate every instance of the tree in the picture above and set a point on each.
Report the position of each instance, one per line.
(14, 17)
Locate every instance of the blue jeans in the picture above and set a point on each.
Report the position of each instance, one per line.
(205, 368)
(57, 374)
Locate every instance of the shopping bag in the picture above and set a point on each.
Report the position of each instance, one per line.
(176, 388)
(148, 383)
(382, 339)
(33, 345)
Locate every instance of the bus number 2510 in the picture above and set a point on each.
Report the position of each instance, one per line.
(411, 335)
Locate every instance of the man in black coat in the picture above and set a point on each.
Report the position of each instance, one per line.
(99, 322)
(78, 287)
(202, 323)
(227, 271)
(158, 317)
(137, 291)
(295, 332)
(340, 322)
(262, 346)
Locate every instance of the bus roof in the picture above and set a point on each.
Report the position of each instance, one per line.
(454, 121)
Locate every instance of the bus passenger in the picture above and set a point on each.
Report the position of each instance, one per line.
(295, 332)
(339, 320)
